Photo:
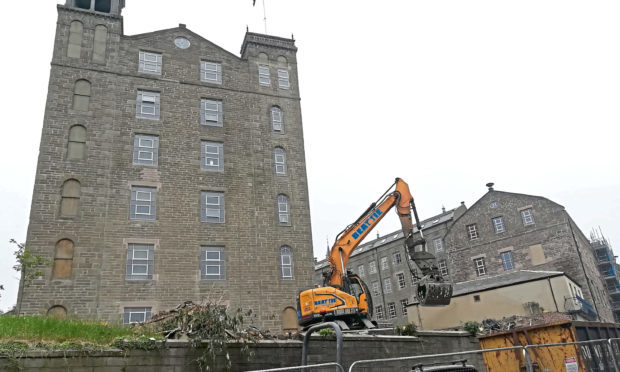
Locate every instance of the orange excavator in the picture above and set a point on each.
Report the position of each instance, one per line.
(344, 298)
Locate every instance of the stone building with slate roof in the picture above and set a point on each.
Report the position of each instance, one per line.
(170, 169)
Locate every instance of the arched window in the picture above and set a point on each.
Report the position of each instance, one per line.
(63, 260)
(101, 41)
(76, 148)
(279, 161)
(74, 48)
(277, 123)
(289, 320)
(70, 198)
(284, 210)
(81, 95)
(286, 262)
(57, 311)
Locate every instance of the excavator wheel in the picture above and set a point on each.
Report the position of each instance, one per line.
(433, 293)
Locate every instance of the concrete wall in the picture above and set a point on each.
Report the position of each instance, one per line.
(494, 304)
(269, 354)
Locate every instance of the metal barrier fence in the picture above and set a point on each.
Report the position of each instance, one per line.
(601, 355)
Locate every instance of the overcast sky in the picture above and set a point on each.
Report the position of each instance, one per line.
(448, 95)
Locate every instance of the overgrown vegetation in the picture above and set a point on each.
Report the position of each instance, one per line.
(406, 330)
(472, 327)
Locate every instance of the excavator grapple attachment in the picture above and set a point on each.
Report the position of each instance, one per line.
(434, 293)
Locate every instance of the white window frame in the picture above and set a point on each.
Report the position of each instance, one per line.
(527, 216)
(216, 158)
(150, 66)
(211, 72)
(498, 224)
(361, 271)
(144, 199)
(443, 267)
(397, 258)
(277, 121)
(379, 311)
(438, 243)
(210, 208)
(134, 262)
(480, 266)
(129, 311)
(403, 305)
(372, 267)
(264, 77)
(147, 99)
(472, 231)
(507, 260)
(384, 263)
(376, 288)
(284, 213)
(141, 147)
(391, 310)
(211, 112)
(283, 79)
(279, 161)
(387, 284)
(206, 263)
(400, 278)
(286, 268)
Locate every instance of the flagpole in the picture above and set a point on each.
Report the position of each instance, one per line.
(265, 16)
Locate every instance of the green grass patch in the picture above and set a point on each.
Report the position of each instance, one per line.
(34, 329)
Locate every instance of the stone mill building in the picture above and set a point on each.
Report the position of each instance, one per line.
(169, 170)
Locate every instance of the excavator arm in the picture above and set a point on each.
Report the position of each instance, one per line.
(432, 290)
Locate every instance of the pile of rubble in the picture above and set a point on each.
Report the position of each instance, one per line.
(517, 321)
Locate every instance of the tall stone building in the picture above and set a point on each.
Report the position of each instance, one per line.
(170, 169)
(500, 233)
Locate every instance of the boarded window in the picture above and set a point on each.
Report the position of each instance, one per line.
(63, 260)
(74, 48)
(289, 320)
(70, 198)
(57, 311)
(537, 254)
(76, 148)
(81, 95)
(101, 40)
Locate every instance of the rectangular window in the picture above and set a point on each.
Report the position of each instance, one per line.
(212, 156)
(211, 72)
(147, 105)
(263, 76)
(443, 267)
(480, 266)
(212, 207)
(372, 267)
(132, 315)
(212, 263)
(143, 203)
(360, 270)
(283, 210)
(375, 288)
(507, 261)
(211, 112)
(438, 243)
(472, 231)
(388, 285)
(498, 224)
(403, 305)
(384, 263)
(527, 217)
(400, 277)
(379, 311)
(139, 262)
(283, 82)
(397, 258)
(145, 149)
(391, 310)
(150, 63)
